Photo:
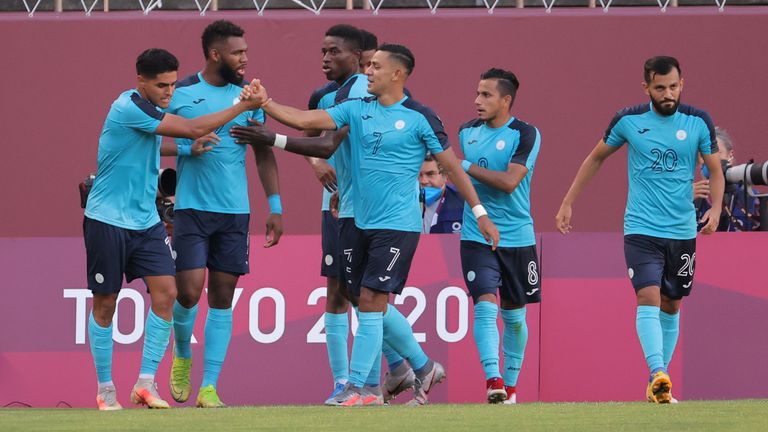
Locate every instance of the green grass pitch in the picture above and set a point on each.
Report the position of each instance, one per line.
(746, 415)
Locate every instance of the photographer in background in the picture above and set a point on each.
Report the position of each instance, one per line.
(734, 214)
(443, 207)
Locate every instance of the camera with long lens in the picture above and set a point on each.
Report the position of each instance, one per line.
(747, 175)
(166, 188)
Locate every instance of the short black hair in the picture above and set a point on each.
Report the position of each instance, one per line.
(370, 41)
(402, 54)
(350, 34)
(155, 61)
(217, 31)
(660, 65)
(506, 81)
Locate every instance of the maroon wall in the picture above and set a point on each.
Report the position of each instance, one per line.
(577, 67)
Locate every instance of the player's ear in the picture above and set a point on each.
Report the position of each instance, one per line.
(214, 54)
(646, 88)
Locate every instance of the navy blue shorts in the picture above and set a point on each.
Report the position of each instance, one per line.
(113, 252)
(513, 271)
(329, 267)
(380, 259)
(218, 241)
(665, 263)
(349, 234)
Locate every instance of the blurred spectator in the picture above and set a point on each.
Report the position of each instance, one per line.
(443, 206)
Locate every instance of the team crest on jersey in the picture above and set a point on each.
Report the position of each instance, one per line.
(399, 124)
(500, 145)
(681, 135)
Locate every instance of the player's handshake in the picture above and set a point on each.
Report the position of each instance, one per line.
(254, 95)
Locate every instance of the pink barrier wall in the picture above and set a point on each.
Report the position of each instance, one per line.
(577, 67)
(585, 324)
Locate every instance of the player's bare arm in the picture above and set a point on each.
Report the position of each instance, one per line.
(505, 181)
(588, 169)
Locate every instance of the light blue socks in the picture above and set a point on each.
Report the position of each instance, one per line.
(100, 339)
(366, 347)
(336, 336)
(651, 337)
(157, 332)
(486, 335)
(399, 335)
(515, 340)
(183, 323)
(670, 329)
(218, 332)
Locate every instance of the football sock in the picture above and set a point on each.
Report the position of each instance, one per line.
(374, 377)
(670, 329)
(650, 335)
(393, 358)
(218, 332)
(399, 335)
(486, 335)
(515, 340)
(336, 334)
(100, 339)
(183, 322)
(157, 331)
(365, 347)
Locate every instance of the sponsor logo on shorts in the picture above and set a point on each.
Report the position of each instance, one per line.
(531, 292)
(384, 278)
(99, 278)
(328, 260)
(471, 276)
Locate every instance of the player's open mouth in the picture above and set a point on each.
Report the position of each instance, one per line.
(241, 71)
(326, 69)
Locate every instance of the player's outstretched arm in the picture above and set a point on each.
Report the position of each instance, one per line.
(289, 116)
(452, 168)
(716, 188)
(180, 127)
(588, 169)
(505, 181)
(257, 135)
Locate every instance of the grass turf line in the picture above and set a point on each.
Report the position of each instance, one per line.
(746, 415)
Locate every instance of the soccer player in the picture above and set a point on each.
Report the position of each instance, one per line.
(390, 134)
(663, 138)
(341, 63)
(370, 43)
(500, 153)
(212, 211)
(122, 230)
(341, 56)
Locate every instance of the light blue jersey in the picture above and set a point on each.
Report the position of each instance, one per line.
(516, 142)
(388, 145)
(123, 193)
(325, 97)
(660, 164)
(216, 180)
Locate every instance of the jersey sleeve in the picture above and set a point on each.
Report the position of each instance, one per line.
(139, 114)
(433, 133)
(614, 135)
(343, 112)
(530, 139)
(707, 138)
(259, 116)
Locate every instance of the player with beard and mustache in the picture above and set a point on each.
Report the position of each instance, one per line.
(212, 211)
(663, 140)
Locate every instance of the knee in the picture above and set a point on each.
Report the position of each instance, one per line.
(219, 299)
(336, 303)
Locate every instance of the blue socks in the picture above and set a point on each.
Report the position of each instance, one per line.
(183, 322)
(366, 347)
(399, 335)
(374, 378)
(336, 334)
(486, 335)
(100, 339)
(393, 358)
(651, 338)
(670, 330)
(157, 331)
(218, 332)
(515, 340)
